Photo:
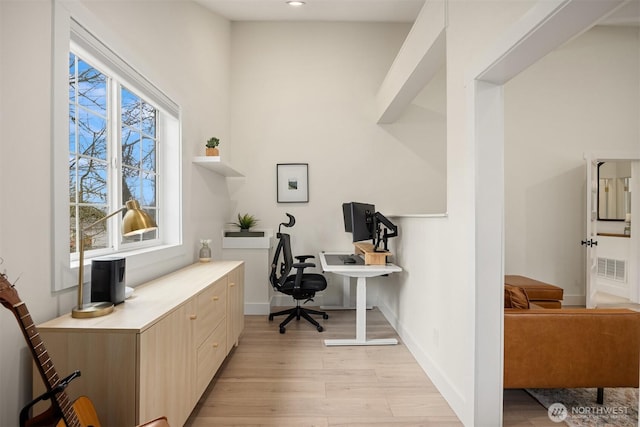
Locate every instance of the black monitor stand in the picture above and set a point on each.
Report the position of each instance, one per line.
(388, 225)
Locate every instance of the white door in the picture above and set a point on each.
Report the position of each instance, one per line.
(634, 242)
(631, 288)
(591, 240)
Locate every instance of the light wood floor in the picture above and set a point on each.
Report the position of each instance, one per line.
(522, 410)
(293, 379)
(604, 300)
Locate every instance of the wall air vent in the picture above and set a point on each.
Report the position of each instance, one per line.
(612, 269)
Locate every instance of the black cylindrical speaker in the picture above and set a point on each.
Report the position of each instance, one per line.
(108, 280)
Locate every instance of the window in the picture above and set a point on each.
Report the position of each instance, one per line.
(116, 136)
(113, 145)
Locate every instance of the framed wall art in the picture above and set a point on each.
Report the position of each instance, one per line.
(293, 182)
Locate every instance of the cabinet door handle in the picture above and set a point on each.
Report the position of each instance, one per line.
(216, 298)
(193, 316)
(231, 285)
(215, 345)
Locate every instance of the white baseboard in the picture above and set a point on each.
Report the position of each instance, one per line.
(281, 300)
(579, 300)
(450, 393)
(256, 308)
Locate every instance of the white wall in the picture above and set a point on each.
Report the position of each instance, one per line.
(182, 48)
(19, 139)
(422, 128)
(582, 97)
(305, 92)
(433, 301)
(187, 49)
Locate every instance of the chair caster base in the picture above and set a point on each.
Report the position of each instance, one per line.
(297, 313)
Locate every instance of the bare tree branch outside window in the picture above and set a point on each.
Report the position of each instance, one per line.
(92, 148)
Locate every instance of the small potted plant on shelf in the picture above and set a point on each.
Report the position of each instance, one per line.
(212, 146)
(245, 223)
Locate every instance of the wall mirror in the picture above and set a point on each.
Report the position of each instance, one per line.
(614, 197)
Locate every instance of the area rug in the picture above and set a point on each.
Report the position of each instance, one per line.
(578, 407)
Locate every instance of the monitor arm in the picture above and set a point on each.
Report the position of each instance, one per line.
(379, 218)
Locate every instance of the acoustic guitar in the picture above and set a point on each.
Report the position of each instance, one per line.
(62, 412)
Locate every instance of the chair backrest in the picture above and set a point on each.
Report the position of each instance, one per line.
(284, 249)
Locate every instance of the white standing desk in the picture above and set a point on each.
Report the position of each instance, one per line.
(347, 304)
(361, 272)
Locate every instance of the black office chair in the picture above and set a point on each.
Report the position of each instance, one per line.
(301, 286)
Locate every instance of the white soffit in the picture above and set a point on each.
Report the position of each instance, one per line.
(565, 19)
(422, 54)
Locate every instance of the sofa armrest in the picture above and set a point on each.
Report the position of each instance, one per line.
(571, 348)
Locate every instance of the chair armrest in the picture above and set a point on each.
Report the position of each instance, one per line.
(303, 258)
(303, 265)
(300, 269)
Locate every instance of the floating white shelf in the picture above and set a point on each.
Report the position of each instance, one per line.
(248, 242)
(215, 164)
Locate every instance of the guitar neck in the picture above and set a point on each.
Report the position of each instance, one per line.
(50, 377)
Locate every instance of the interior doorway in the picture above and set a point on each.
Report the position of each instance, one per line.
(547, 26)
(612, 261)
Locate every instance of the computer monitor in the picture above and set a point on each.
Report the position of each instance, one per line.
(359, 220)
(364, 223)
(346, 213)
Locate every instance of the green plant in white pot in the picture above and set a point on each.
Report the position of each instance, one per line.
(246, 222)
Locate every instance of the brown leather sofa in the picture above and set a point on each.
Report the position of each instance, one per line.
(569, 347)
(539, 293)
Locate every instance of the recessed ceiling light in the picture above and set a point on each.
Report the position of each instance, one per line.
(295, 3)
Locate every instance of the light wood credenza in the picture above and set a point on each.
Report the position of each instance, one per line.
(158, 351)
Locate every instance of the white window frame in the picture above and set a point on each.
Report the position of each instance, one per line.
(115, 82)
(72, 21)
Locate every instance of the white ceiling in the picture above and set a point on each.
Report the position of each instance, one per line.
(317, 10)
(355, 10)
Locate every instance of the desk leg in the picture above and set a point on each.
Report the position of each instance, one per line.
(346, 292)
(361, 310)
(361, 322)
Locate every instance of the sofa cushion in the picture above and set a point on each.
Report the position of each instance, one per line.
(535, 289)
(515, 297)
